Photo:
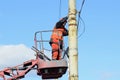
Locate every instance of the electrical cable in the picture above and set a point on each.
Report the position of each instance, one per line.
(79, 18)
(81, 7)
(83, 27)
(60, 8)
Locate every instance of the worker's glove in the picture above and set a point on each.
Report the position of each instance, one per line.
(50, 42)
(64, 19)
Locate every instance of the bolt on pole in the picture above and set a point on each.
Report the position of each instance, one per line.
(73, 43)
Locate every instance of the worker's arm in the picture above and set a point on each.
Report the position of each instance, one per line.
(60, 23)
(64, 19)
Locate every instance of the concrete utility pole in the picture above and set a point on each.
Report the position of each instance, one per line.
(73, 43)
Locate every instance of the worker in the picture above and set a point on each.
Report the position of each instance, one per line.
(56, 40)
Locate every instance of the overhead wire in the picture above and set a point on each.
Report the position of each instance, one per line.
(83, 27)
(81, 7)
(60, 4)
(80, 19)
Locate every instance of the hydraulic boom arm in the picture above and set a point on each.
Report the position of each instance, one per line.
(18, 72)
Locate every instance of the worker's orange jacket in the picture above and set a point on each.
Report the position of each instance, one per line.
(58, 34)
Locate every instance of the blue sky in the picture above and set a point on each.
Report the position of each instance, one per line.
(98, 47)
